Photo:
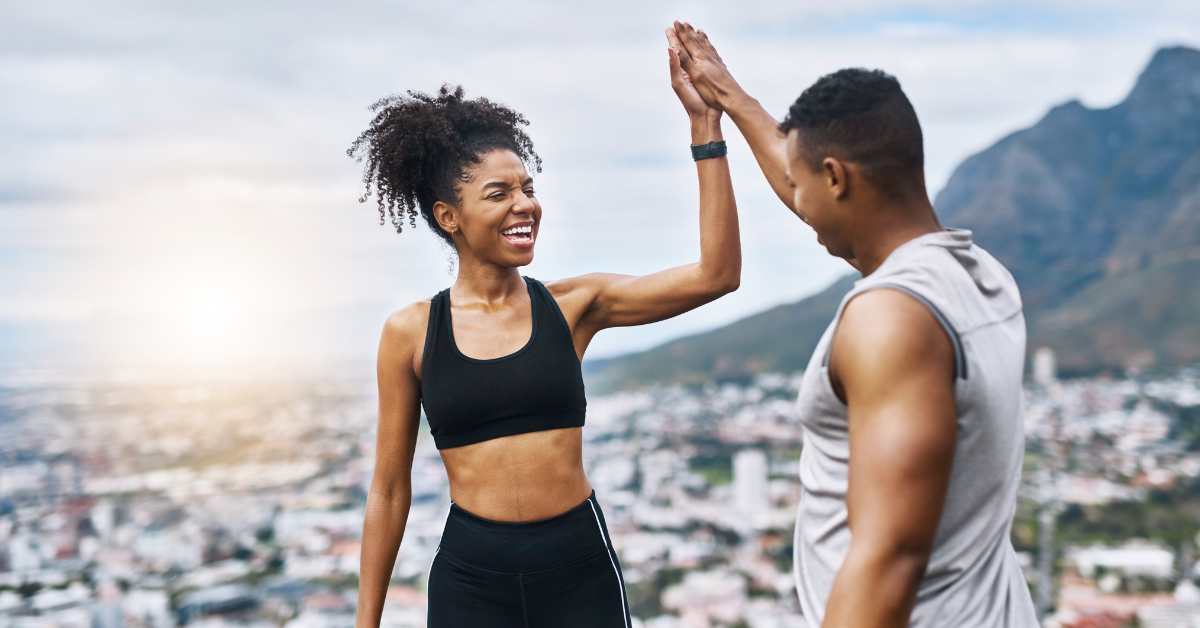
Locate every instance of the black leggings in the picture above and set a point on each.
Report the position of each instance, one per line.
(560, 572)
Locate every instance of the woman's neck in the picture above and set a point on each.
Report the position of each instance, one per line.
(485, 282)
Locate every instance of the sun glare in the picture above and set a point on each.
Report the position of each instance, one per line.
(211, 325)
(209, 310)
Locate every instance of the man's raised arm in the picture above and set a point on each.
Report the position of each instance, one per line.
(718, 88)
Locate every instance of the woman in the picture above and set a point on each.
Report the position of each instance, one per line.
(495, 359)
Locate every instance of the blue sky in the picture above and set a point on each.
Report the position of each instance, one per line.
(174, 186)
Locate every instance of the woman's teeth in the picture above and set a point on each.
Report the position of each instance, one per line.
(517, 230)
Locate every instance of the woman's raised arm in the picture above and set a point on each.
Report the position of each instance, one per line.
(603, 300)
(390, 496)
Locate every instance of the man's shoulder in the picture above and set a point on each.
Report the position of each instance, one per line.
(967, 285)
(888, 333)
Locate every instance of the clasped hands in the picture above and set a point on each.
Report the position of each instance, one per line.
(698, 75)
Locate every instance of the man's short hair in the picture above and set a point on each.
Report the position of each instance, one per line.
(863, 117)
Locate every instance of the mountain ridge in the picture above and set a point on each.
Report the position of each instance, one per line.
(1096, 212)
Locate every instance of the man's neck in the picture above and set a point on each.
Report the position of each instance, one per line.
(887, 227)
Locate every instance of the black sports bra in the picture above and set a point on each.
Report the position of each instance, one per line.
(540, 387)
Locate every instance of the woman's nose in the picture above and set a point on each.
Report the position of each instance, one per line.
(524, 205)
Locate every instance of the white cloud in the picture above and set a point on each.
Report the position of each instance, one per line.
(144, 142)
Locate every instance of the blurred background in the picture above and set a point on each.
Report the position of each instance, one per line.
(191, 295)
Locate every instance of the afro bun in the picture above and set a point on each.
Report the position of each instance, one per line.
(418, 148)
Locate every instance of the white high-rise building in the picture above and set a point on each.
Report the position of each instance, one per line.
(102, 519)
(1044, 370)
(750, 496)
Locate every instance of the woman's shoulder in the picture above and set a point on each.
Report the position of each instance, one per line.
(409, 322)
(579, 285)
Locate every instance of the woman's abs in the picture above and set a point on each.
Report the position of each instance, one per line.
(525, 477)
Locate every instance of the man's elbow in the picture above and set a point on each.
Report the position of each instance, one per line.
(910, 565)
(898, 562)
(905, 565)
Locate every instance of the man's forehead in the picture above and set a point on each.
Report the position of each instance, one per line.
(793, 153)
(793, 142)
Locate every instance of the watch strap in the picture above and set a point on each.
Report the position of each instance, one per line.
(709, 150)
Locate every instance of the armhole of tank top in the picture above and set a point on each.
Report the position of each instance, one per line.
(960, 355)
(435, 305)
(545, 294)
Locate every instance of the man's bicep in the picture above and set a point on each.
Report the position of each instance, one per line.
(900, 464)
(896, 365)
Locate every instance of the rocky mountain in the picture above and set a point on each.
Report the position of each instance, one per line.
(1095, 211)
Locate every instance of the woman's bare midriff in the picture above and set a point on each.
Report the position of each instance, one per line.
(526, 477)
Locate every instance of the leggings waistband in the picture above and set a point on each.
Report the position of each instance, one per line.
(526, 547)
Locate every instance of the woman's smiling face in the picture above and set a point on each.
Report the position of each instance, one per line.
(497, 216)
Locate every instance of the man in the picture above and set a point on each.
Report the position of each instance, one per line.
(911, 404)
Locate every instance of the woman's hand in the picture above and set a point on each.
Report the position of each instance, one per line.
(600, 300)
(695, 106)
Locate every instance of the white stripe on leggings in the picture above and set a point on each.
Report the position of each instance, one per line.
(620, 582)
(430, 574)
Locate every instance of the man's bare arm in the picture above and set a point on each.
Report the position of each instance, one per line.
(894, 365)
(717, 86)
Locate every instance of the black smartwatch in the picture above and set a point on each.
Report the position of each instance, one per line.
(709, 150)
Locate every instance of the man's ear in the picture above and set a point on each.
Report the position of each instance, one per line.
(835, 177)
(446, 217)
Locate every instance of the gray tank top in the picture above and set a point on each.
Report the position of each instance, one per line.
(973, 578)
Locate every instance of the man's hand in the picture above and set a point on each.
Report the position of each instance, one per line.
(704, 67)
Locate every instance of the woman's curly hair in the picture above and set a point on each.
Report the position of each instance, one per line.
(418, 147)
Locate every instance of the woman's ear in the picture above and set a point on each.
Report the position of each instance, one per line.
(446, 217)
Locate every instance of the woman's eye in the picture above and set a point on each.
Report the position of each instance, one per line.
(497, 196)
(529, 192)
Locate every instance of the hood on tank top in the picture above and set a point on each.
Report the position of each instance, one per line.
(989, 303)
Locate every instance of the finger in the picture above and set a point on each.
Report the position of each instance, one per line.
(708, 44)
(691, 39)
(676, 69)
(700, 40)
(673, 38)
(687, 37)
(673, 42)
(683, 58)
(679, 79)
(697, 45)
